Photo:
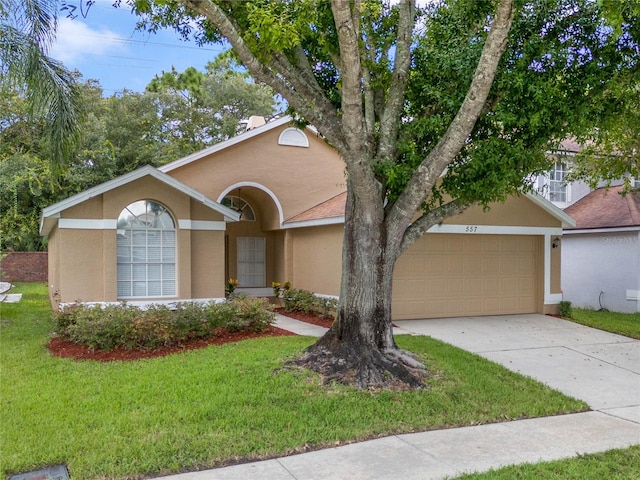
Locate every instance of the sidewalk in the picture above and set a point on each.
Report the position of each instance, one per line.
(601, 368)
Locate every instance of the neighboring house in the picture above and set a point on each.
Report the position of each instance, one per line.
(268, 205)
(554, 185)
(592, 259)
(601, 253)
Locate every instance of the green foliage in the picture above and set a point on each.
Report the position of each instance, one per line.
(26, 186)
(565, 309)
(180, 114)
(126, 326)
(627, 324)
(27, 31)
(555, 81)
(198, 109)
(621, 464)
(297, 300)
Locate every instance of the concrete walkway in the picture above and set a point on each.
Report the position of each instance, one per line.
(601, 368)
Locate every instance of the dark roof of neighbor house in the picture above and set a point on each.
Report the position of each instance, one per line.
(606, 208)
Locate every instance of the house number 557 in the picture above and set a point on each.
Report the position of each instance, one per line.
(471, 229)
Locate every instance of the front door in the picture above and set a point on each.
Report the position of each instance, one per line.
(251, 262)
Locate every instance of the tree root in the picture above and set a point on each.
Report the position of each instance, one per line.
(368, 368)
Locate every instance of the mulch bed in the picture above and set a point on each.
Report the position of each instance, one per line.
(67, 349)
(307, 317)
(60, 347)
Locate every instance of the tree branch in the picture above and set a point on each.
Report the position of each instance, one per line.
(361, 177)
(390, 121)
(456, 135)
(319, 111)
(428, 220)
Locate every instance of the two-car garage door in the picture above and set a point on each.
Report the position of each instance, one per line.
(449, 275)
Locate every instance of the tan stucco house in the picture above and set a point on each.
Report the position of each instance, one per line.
(268, 205)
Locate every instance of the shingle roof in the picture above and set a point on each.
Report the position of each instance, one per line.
(334, 207)
(606, 208)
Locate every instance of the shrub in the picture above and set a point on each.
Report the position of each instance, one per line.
(308, 302)
(251, 313)
(124, 326)
(565, 309)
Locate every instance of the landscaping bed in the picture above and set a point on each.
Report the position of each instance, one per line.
(63, 348)
(309, 317)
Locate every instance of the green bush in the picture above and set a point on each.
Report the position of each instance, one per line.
(307, 302)
(125, 326)
(565, 309)
(254, 314)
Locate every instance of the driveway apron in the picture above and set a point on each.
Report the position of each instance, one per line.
(601, 368)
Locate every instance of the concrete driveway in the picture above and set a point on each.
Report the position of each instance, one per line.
(600, 368)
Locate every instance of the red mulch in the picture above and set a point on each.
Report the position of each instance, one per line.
(67, 349)
(307, 317)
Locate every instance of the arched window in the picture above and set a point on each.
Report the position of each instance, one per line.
(146, 251)
(293, 137)
(240, 206)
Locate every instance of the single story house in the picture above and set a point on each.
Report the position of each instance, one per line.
(268, 205)
(601, 253)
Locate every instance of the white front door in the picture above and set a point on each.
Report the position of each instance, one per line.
(251, 261)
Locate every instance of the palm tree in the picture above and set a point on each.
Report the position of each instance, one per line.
(27, 30)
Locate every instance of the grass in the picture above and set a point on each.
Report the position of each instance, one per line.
(627, 324)
(621, 464)
(218, 405)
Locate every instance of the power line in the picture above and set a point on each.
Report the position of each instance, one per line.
(158, 44)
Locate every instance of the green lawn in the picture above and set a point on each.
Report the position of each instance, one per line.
(622, 464)
(627, 324)
(218, 405)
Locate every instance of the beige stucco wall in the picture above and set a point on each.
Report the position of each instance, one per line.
(515, 211)
(314, 254)
(300, 177)
(53, 259)
(317, 259)
(83, 262)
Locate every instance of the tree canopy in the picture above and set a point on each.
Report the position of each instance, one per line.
(119, 134)
(198, 109)
(27, 29)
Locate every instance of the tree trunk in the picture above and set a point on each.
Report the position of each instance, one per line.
(359, 349)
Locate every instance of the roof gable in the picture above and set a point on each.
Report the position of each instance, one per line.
(52, 212)
(606, 208)
(243, 137)
(325, 213)
(332, 211)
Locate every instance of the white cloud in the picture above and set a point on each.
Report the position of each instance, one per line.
(75, 39)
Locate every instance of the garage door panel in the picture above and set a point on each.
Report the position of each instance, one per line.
(479, 275)
(436, 265)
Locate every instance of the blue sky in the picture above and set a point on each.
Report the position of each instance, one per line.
(106, 46)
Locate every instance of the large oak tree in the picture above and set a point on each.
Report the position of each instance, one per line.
(432, 110)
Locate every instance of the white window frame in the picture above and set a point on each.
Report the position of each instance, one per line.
(558, 186)
(251, 261)
(146, 252)
(240, 205)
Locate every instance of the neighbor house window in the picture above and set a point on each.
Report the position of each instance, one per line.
(146, 251)
(557, 183)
